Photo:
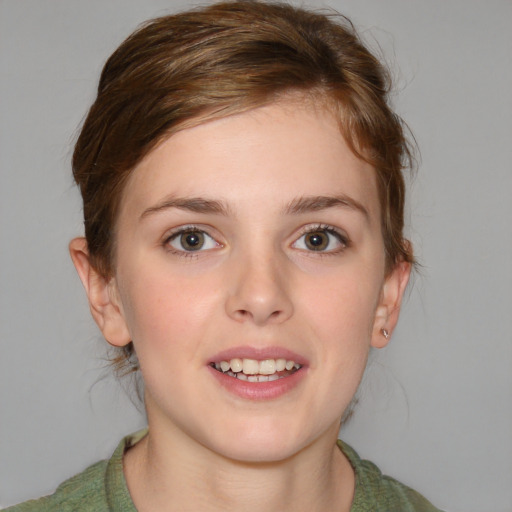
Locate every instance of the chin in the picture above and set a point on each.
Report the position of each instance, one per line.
(258, 453)
(257, 442)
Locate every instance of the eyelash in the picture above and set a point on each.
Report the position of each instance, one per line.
(183, 230)
(341, 237)
(325, 228)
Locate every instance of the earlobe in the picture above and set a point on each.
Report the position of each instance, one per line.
(388, 310)
(104, 303)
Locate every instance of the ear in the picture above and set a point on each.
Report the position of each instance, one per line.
(388, 309)
(103, 296)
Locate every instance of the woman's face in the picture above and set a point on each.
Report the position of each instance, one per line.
(242, 243)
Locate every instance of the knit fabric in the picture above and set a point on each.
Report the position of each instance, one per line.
(102, 488)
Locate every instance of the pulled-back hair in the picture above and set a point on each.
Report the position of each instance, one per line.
(181, 70)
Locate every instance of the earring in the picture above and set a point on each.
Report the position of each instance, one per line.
(385, 333)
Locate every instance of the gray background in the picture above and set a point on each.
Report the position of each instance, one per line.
(436, 406)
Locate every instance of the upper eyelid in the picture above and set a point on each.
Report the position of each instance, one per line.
(185, 228)
(190, 229)
(311, 228)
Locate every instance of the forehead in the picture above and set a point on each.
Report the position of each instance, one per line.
(275, 153)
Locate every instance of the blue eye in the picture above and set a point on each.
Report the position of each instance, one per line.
(321, 240)
(191, 240)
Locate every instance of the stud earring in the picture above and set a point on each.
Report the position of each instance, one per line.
(385, 333)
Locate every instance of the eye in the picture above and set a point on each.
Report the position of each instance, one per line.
(321, 239)
(191, 240)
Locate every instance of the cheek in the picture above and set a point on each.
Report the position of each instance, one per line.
(164, 313)
(342, 318)
(346, 305)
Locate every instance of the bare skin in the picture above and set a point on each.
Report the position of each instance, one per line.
(155, 482)
(256, 234)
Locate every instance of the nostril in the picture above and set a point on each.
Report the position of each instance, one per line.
(258, 300)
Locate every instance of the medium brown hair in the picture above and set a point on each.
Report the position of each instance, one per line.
(180, 70)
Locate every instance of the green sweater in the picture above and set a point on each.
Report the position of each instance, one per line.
(102, 488)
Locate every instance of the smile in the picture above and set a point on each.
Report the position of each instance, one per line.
(253, 370)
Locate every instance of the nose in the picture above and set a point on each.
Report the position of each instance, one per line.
(259, 291)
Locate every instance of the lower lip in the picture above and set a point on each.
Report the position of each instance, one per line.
(259, 390)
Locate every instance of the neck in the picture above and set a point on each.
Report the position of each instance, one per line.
(170, 474)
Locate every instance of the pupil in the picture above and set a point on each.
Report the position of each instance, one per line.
(316, 240)
(192, 241)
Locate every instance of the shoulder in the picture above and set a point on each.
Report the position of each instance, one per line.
(84, 492)
(377, 492)
(100, 488)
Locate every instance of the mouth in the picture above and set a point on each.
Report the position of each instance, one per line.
(255, 370)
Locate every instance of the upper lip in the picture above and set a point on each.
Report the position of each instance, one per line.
(258, 353)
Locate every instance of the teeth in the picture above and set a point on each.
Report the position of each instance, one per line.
(280, 365)
(263, 371)
(250, 366)
(267, 367)
(236, 365)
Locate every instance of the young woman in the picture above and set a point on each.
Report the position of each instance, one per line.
(241, 175)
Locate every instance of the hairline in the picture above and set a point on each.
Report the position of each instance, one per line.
(315, 97)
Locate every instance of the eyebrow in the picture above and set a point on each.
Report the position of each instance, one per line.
(300, 205)
(191, 204)
(308, 204)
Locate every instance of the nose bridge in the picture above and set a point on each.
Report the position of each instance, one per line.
(259, 291)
